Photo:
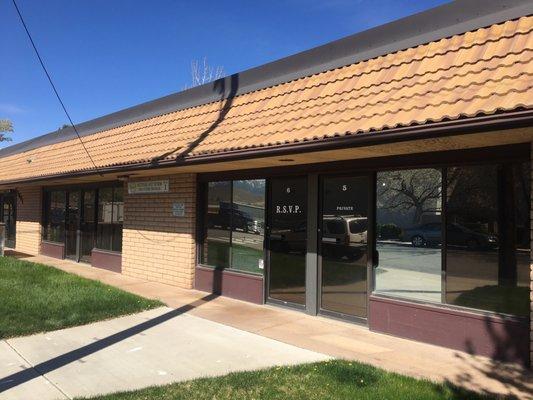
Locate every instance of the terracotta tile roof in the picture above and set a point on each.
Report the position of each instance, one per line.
(476, 73)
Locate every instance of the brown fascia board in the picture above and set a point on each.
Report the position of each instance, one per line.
(449, 19)
(489, 123)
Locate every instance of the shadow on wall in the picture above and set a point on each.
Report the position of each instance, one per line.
(517, 379)
(227, 96)
(158, 219)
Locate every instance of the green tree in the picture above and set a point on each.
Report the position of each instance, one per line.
(6, 126)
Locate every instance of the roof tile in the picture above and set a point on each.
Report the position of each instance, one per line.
(479, 72)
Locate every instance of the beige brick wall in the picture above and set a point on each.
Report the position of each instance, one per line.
(28, 228)
(156, 245)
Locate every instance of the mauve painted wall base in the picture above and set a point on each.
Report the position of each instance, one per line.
(56, 250)
(108, 260)
(228, 283)
(500, 338)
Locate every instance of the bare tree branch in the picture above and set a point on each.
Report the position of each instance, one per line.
(417, 191)
(202, 73)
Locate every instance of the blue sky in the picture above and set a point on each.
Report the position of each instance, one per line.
(106, 55)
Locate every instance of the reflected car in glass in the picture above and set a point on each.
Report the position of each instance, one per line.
(347, 234)
(430, 234)
(240, 221)
(289, 240)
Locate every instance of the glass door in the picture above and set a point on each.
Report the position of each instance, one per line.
(7, 211)
(287, 240)
(88, 225)
(343, 246)
(72, 225)
(80, 225)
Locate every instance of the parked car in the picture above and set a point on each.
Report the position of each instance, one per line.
(430, 234)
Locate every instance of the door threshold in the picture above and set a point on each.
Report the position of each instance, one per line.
(285, 305)
(343, 318)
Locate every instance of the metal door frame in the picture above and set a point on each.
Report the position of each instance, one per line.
(81, 211)
(268, 218)
(370, 177)
(13, 196)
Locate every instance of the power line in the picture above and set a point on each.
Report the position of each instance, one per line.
(54, 88)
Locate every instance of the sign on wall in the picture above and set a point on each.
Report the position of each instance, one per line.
(178, 209)
(148, 187)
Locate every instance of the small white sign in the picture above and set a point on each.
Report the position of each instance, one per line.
(260, 264)
(178, 209)
(148, 187)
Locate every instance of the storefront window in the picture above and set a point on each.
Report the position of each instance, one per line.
(104, 221)
(234, 225)
(248, 225)
(54, 223)
(486, 239)
(218, 225)
(409, 234)
(487, 232)
(110, 218)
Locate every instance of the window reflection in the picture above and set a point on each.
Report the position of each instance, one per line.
(344, 245)
(87, 224)
(118, 218)
(521, 185)
(54, 225)
(110, 218)
(409, 234)
(102, 215)
(487, 236)
(288, 239)
(8, 217)
(248, 225)
(72, 223)
(487, 254)
(235, 225)
(218, 223)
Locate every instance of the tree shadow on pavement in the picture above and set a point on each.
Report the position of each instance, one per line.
(507, 366)
(55, 363)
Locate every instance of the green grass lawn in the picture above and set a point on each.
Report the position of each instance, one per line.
(326, 380)
(37, 298)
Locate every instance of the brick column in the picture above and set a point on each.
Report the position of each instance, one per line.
(28, 224)
(156, 245)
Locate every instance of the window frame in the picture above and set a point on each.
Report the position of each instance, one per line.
(201, 233)
(69, 188)
(520, 152)
(47, 200)
(372, 273)
(498, 163)
(113, 224)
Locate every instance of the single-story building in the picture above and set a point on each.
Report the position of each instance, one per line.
(383, 179)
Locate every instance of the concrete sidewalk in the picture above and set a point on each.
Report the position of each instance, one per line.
(327, 336)
(155, 347)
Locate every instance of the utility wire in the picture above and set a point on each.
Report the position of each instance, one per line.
(54, 88)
